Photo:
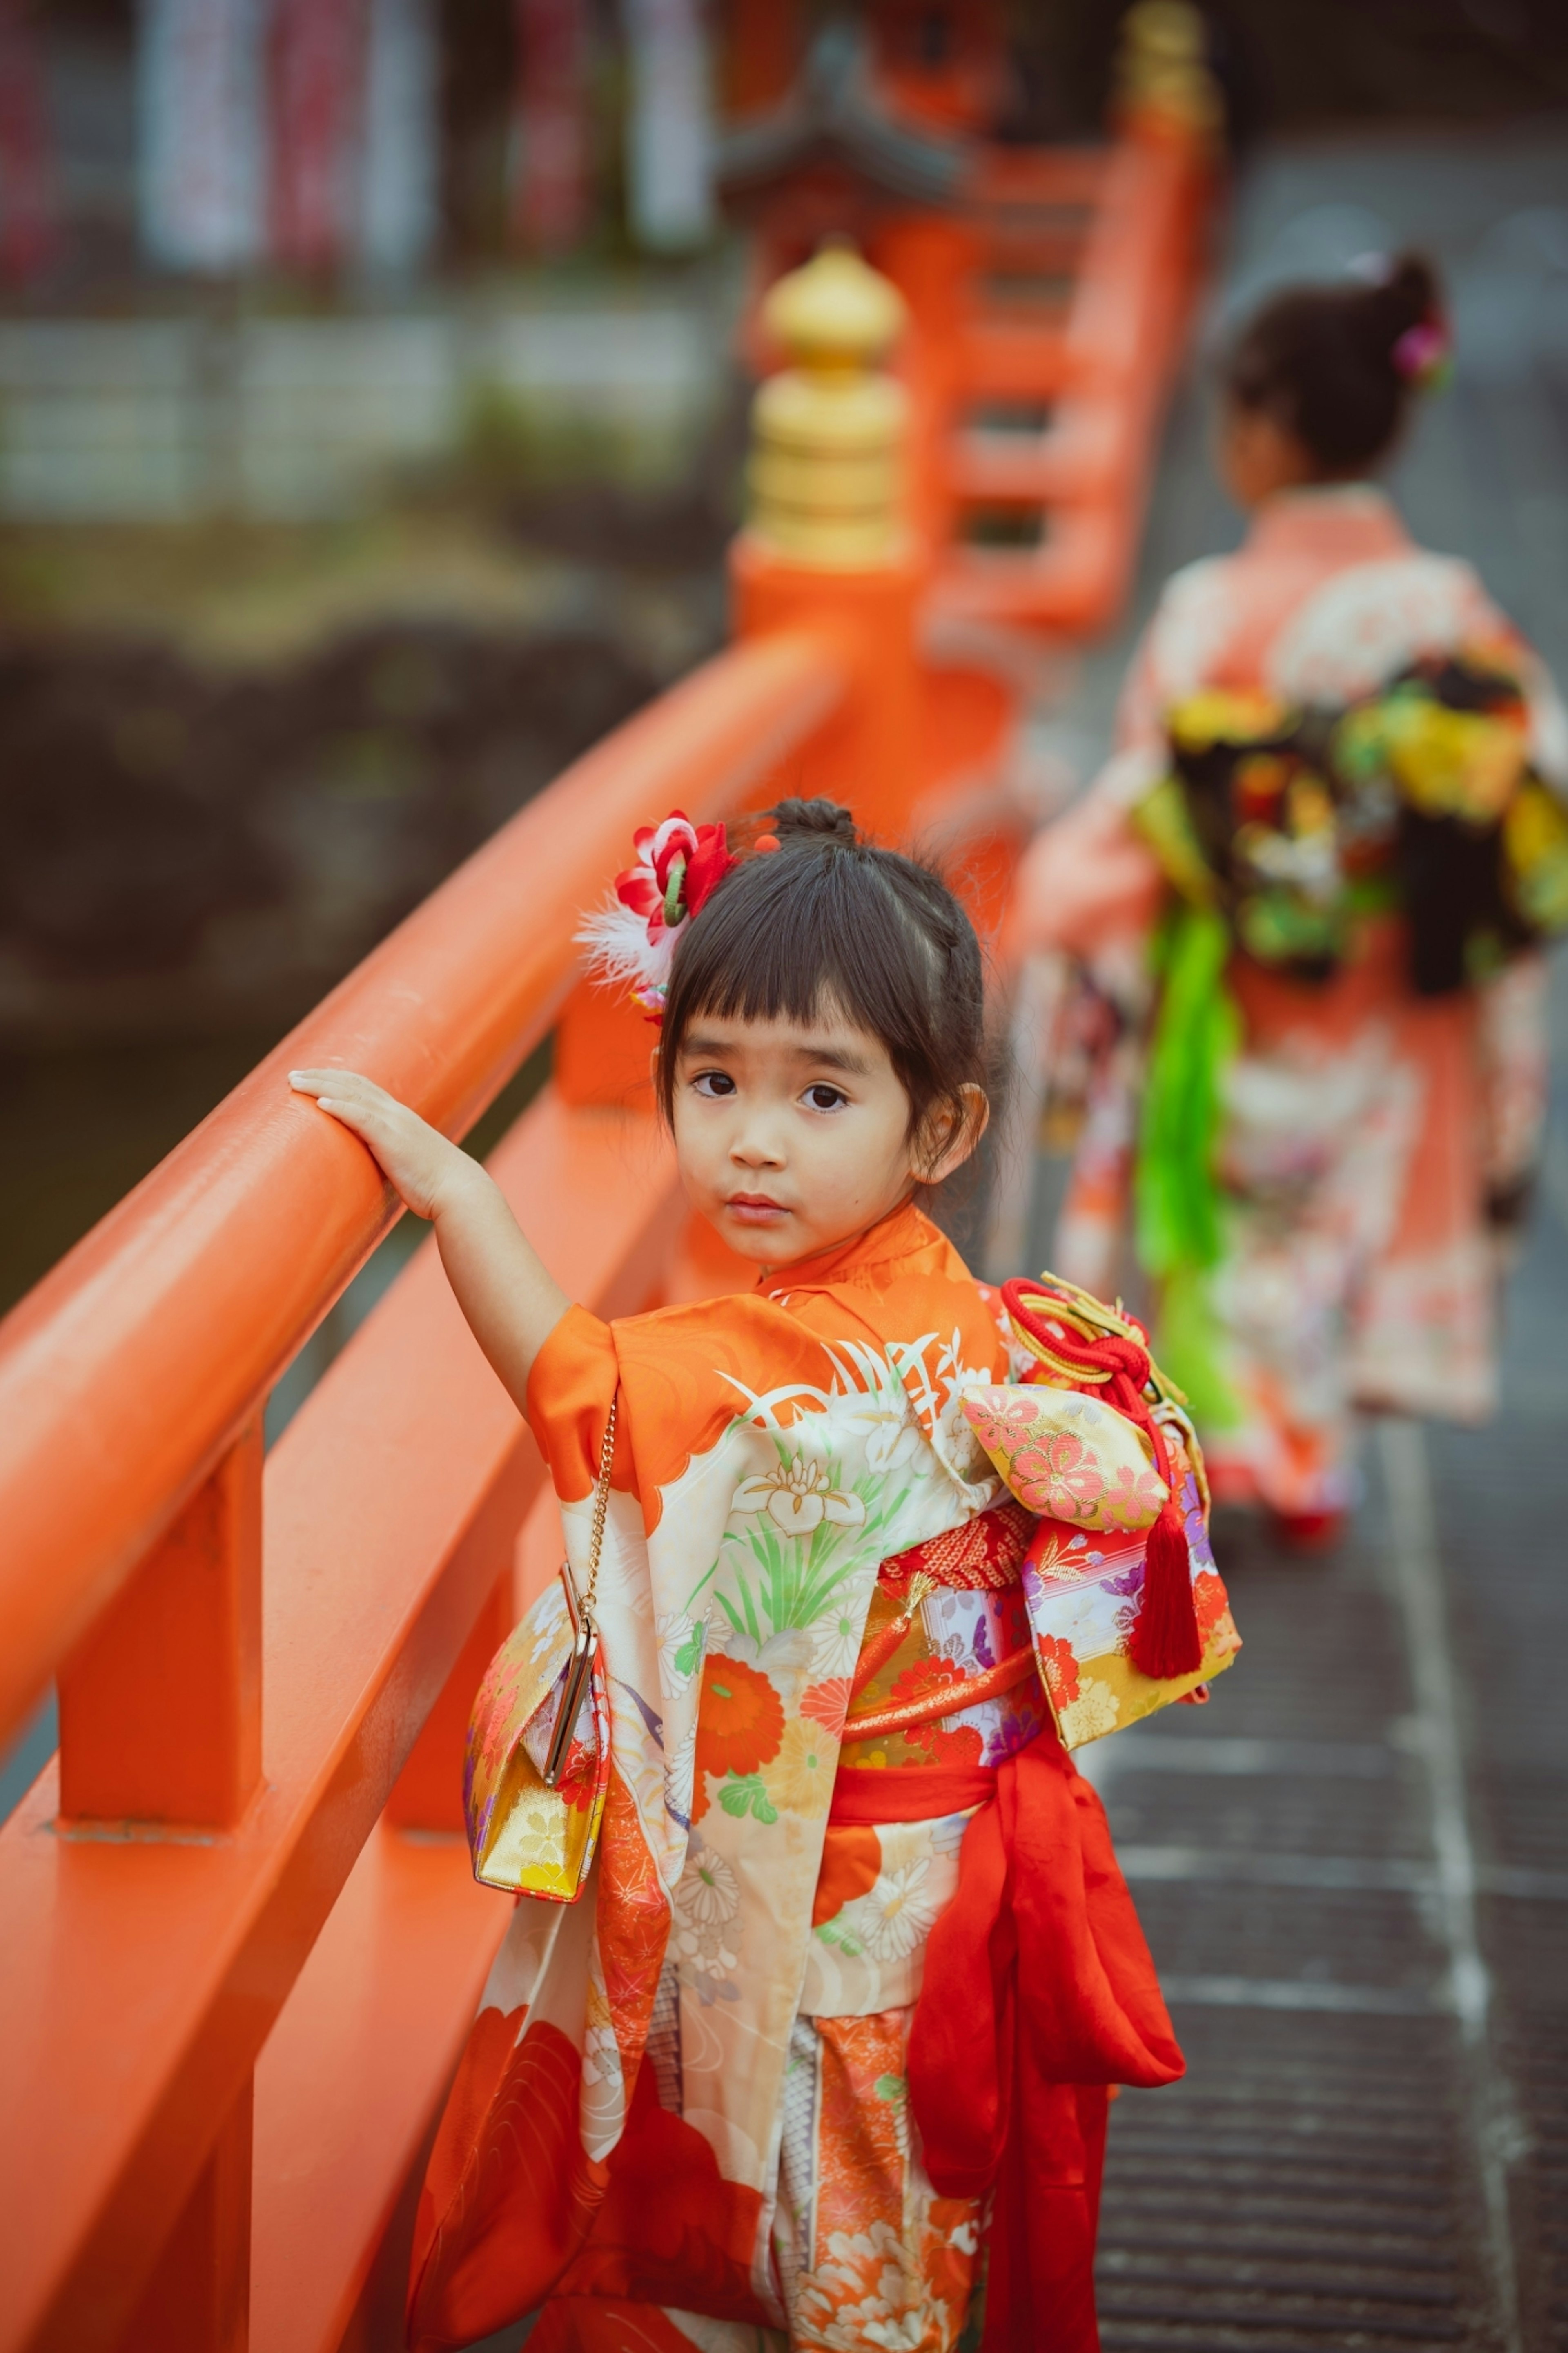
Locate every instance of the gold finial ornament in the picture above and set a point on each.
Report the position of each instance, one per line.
(835, 312)
(827, 431)
(1162, 80)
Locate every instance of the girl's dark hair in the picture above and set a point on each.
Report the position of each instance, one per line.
(827, 919)
(1321, 361)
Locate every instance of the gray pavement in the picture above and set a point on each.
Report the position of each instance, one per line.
(1354, 1866)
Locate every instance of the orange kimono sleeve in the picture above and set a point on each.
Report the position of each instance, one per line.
(678, 1374)
(569, 1392)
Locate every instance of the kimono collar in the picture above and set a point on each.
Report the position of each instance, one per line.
(903, 1243)
(1351, 522)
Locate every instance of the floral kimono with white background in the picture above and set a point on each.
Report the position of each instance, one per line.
(1374, 1142)
(683, 2114)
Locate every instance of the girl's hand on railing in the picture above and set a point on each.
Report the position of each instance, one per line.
(418, 1161)
(512, 1301)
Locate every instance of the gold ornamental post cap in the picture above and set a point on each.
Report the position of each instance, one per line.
(1166, 29)
(1161, 74)
(827, 431)
(835, 312)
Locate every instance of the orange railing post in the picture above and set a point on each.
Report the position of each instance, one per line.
(161, 1702)
(161, 1723)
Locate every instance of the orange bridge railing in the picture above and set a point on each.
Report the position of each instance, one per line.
(239, 1942)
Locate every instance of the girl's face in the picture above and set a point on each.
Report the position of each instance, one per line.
(793, 1137)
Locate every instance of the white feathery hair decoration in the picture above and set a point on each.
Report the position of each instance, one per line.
(621, 954)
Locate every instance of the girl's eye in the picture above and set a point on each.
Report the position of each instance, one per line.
(822, 1097)
(717, 1085)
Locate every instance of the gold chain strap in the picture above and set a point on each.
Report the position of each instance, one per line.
(601, 1502)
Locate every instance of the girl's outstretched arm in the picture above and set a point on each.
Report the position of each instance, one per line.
(512, 1304)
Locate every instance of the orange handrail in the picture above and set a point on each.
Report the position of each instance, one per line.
(125, 1373)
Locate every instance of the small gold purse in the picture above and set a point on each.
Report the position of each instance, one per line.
(538, 1762)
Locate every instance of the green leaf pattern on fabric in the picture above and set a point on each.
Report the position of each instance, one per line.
(744, 1793)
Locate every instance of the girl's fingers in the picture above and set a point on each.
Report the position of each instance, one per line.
(343, 1086)
(412, 1155)
(345, 1095)
(355, 1102)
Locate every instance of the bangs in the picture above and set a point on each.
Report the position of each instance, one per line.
(793, 942)
(821, 929)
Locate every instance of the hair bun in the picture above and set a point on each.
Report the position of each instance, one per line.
(1336, 366)
(824, 820)
(1408, 297)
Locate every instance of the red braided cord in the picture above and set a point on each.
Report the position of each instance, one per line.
(1126, 1361)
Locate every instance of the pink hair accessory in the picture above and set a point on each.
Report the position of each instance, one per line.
(631, 941)
(1423, 353)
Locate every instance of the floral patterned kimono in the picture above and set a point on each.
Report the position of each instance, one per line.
(1362, 1130)
(706, 2103)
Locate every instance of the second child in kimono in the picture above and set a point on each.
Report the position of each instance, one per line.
(1314, 878)
(827, 2045)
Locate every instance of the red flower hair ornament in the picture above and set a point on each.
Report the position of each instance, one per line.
(631, 942)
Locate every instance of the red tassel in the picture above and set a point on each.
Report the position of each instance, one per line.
(1165, 1639)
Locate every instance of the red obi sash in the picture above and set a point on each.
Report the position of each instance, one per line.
(1038, 1991)
(865, 1795)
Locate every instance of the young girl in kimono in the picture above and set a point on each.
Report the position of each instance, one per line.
(831, 2033)
(1310, 878)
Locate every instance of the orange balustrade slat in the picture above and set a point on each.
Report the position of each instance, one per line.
(126, 1371)
(1075, 585)
(1088, 453)
(139, 1978)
